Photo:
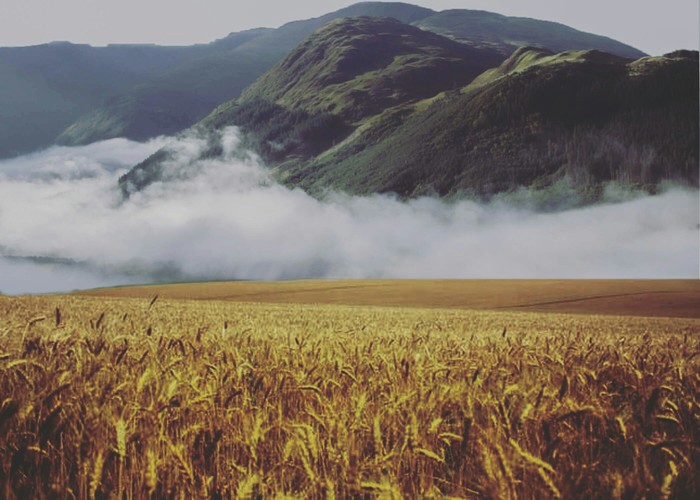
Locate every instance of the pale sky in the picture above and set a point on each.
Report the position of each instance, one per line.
(653, 26)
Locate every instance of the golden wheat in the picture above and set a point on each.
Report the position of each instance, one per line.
(165, 398)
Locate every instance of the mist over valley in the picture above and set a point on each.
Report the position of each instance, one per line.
(64, 224)
(382, 140)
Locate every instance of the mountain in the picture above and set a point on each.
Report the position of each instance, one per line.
(367, 105)
(45, 88)
(339, 79)
(173, 99)
(180, 96)
(506, 34)
(540, 119)
(356, 67)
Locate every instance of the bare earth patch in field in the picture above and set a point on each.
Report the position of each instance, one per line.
(666, 298)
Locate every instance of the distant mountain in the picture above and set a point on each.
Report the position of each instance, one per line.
(177, 97)
(47, 87)
(338, 79)
(172, 99)
(368, 105)
(180, 96)
(357, 67)
(506, 34)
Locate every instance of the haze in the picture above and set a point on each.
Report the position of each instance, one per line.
(654, 27)
(228, 219)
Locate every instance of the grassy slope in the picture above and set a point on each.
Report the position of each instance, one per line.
(673, 298)
(180, 96)
(46, 87)
(339, 77)
(343, 111)
(507, 33)
(172, 99)
(25, 121)
(85, 94)
(585, 116)
(357, 67)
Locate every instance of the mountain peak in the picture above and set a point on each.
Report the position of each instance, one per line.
(481, 28)
(354, 66)
(525, 58)
(370, 104)
(404, 12)
(683, 54)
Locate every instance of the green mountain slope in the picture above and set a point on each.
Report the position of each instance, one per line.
(356, 67)
(580, 117)
(47, 87)
(338, 79)
(31, 111)
(375, 106)
(186, 93)
(182, 95)
(486, 29)
(168, 102)
(174, 98)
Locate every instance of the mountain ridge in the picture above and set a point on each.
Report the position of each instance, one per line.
(200, 86)
(215, 79)
(539, 119)
(479, 26)
(342, 53)
(582, 123)
(48, 87)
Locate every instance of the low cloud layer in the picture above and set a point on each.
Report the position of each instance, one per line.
(64, 225)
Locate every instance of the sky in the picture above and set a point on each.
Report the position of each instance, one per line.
(654, 27)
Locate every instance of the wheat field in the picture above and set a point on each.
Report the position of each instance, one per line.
(661, 298)
(165, 398)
